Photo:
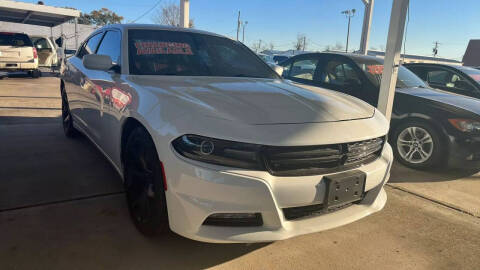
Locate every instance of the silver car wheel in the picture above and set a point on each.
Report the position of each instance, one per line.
(415, 145)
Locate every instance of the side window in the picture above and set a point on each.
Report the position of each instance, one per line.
(339, 73)
(90, 46)
(448, 80)
(303, 69)
(111, 44)
(286, 70)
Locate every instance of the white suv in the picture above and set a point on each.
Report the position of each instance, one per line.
(213, 144)
(18, 54)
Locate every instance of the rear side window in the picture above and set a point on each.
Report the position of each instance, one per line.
(90, 46)
(304, 69)
(163, 52)
(111, 46)
(15, 40)
(41, 43)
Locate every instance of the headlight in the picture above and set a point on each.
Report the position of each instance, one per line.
(219, 152)
(465, 125)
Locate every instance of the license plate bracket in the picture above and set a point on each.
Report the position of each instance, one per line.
(344, 188)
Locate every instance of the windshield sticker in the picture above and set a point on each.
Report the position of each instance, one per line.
(160, 47)
(375, 69)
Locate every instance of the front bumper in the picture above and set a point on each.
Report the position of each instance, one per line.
(464, 152)
(195, 192)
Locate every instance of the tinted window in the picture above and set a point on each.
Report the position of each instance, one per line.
(373, 68)
(473, 73)
(303, 69)
(443, 78)
(339, 73)
(111, 46)
(41, 43)
(159, 52)
(13, 39)
(90, 46)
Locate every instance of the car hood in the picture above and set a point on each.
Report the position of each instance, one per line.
(255, 100)
(459, 101)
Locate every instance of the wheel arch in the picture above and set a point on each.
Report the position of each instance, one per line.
(129, 124)
(416, 117)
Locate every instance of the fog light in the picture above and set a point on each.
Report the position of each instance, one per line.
(234, 219)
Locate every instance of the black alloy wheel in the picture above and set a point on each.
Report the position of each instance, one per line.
(144, 184)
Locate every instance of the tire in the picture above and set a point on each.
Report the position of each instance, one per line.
(144, 184)
(67, 119)
(35, 73)
(417, 144)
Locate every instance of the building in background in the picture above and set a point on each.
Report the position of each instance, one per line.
(471, 57)
(68, 31)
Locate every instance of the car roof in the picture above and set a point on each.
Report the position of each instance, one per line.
(128, 26)
(433, 64)
(349, 55)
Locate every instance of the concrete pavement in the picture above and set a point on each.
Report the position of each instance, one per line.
(62, 207)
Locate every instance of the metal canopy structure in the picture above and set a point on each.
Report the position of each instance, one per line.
(20, 12)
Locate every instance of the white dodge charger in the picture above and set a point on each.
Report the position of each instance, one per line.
(213, 144)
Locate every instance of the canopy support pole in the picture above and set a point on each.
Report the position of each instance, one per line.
(392, 57)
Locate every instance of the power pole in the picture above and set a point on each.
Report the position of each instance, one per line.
(238, 24)
(435, 49)
(304, 40)
(243, 35)
(349, 14)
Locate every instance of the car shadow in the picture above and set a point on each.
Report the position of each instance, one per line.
(18, 75)
(402, 174)
(178, 252)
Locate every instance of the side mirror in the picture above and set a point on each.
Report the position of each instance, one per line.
(97, 62)
(278, 69)
(59, 42)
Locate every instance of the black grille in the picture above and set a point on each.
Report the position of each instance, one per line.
(313, 160)
(293, 213)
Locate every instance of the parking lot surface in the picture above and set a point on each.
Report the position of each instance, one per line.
(62, 207)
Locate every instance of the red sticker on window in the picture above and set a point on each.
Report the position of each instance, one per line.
(375, 69)
(160, 47)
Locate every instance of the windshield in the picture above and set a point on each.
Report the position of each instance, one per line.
(15, 40)
(160, 52)
(374, 68)
(473, 73)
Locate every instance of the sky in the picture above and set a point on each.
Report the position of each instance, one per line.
(451, 23)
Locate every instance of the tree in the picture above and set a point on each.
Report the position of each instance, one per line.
(100, 17)
(301, 43)
(169, 15)
(328, 48)
(271, 46)
(258, 46)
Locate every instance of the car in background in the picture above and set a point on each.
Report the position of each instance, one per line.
(267, 58)
(17, 53)
(428, 128)
(216, 146)
(47, 51)
(279, 58)
(456, 79)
